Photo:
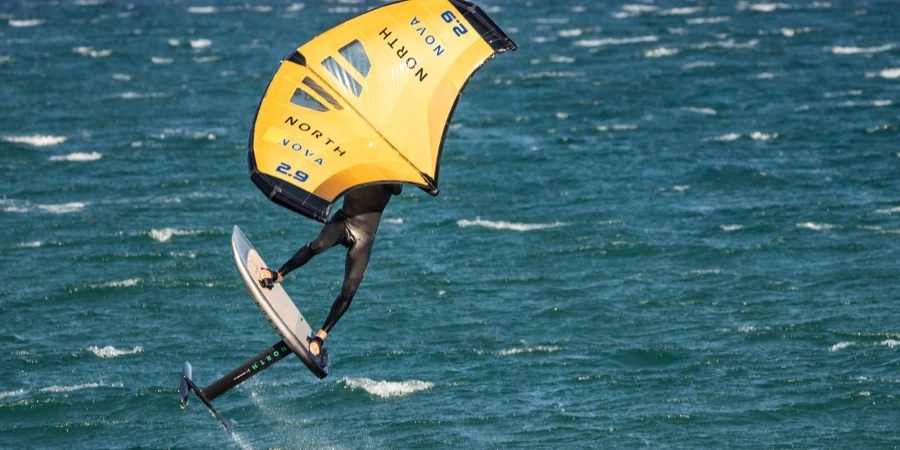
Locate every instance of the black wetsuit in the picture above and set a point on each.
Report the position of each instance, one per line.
(354, 227)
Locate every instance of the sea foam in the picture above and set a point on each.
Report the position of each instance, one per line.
(502, 225)
(79, 387)
(165, 234)
(63, 208)
(35, 141)
(387, 389)
(112, 352)
(77, 157)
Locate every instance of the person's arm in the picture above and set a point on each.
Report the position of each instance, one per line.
(396, 189)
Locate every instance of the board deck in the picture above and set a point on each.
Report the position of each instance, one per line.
(275, 304)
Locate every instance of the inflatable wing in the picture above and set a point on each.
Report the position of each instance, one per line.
(368, 102)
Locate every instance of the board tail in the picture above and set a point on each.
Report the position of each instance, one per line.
(187, 385)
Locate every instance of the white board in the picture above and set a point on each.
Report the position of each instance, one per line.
(275, 304)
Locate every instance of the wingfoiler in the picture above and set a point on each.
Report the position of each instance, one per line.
(366, 102)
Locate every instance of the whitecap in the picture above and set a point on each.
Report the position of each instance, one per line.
(502, 225)
(77, 157)
(562, 115)
(890, 73)
(394, 220)
(24, 23)
(660, 52)
(683, 11)
(31, 244)
(705, 20)
(725, 137)
(521, 350)
(5, 59)
(296, 7)
(387, 389)
(562, 59)
(731, 227)
(764, 76)
(160, 60)
(861, 50)
(15, 393)
(816, 226)
(570, 33)
(882, 103)
(36, 141)
(163, 235)
(615, 41)
(202, 9)
(123, 283)
(705, 111)
(681, 188)
(891, 343)
(89, 51)
(63, 208)
(112, 352)
(698, 65)
(79, 387)
(759, 136)
(727, 44)
(895, 209)
(616, 127)
(200, 43)
(841, 346)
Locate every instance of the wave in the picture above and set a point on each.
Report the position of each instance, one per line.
(660, 52)
(123, 283)
(63, 208)
(704, 111)
(890, 73)
(36, 141)
(725, 137)
(861, 50)
(387, 389)
(165, 234)
(77, 157)
(24, 23)
(816, 226)
(15, 393)
(502, 225)
(731, 227)
(112, 352)
(759, 136)
(89, 51)
(79, 387)
(841, 346)
(891, 343)
(704, 20)
(161, 60)
(895, 209)
(201, 10)
(521, 350)
(615, 41)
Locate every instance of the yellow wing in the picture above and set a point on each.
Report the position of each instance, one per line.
(368, 101)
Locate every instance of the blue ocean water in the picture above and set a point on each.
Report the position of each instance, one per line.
(663, 224)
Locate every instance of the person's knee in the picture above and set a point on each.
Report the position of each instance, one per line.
(348, 290)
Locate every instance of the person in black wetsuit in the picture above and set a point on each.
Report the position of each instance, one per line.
(354, 227)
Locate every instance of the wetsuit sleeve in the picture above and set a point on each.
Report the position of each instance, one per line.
(396, 189)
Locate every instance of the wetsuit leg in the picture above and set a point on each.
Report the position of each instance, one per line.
(333, 233)
(357, 261)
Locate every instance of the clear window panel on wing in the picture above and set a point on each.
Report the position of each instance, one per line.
(355, 54)
(342, 75)
(301, 98)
